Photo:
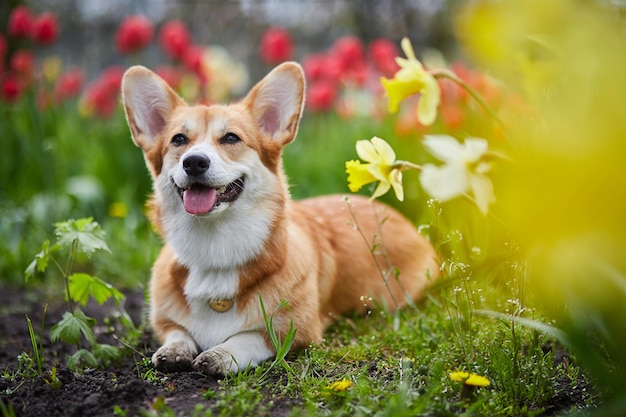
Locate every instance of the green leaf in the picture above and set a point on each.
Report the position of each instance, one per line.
(82, 359)
(87, 234)
(70, 328)
(107, 354)
(40, 263)
(83, 286)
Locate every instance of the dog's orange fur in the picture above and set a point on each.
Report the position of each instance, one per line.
(325, 256)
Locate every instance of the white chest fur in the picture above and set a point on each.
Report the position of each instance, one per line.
(207, 326)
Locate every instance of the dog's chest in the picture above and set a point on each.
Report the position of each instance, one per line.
(206, 323)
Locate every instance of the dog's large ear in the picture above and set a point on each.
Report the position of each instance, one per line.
(276, 102)
(148, 101)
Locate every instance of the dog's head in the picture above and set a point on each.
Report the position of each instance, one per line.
(206, 159)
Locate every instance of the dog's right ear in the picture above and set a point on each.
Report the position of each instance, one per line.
(148, 101)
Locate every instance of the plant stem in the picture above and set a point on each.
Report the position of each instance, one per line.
(66, 276)
(445, 73)
(404, 165)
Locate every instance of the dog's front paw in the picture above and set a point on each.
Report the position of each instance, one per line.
(173, 357)
(215, 362)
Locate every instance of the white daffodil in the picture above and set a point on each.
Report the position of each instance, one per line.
(464, 170)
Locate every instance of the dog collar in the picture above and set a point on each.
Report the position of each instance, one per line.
(221, 306)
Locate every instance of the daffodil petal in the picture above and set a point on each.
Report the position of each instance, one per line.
(444, 182)
(366, 151)
(475, 148)
(428, 103)
(395, 179)
(407, 48)
(397, 90)
(358, 175)
(377, 171)
(384, 150)
(482, 189)
(383, 187)
(443, 147)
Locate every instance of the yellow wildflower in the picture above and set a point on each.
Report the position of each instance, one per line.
(470, 379)
(118, 209)
(339, 386)
(381, 167)
(411, 79)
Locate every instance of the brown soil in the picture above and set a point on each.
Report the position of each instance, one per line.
(92, 392)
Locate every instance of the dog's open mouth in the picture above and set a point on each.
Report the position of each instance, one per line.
(201, 199)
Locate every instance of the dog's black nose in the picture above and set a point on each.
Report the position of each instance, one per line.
(195, 165)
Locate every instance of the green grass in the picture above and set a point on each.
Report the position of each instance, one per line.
(398, 365)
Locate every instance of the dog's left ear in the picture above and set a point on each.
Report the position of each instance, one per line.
(276, 102)
(148, 101)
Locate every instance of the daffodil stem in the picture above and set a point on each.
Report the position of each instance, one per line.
(444, 73)
(404, 165)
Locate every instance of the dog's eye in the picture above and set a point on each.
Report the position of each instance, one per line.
(230, 139)
(179, 139)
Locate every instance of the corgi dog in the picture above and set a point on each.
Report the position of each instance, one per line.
(233, 236)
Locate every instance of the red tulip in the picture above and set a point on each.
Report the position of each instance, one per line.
(383, 53)
(20, 22)
(134, 34)
(193, 60)
(350, 52)
(45, 29)
(100, 99)
(68, 85)
(313, 66)
(321, 96)
(322, 66)
(276, 46)
(174, 38)
(10, 88)
(22, 63)
(111, 78)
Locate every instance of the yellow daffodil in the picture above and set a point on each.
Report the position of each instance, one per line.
(470, 379)
(411, 79)
(464, 170)
(339, 386)
(381, 167)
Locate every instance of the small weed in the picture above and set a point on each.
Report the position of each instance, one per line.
(281, 346)
(52, 379)
(81, 237)
(148, 373)
(25, 366)
(37, 347)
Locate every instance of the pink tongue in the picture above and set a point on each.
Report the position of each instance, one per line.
(199, 200)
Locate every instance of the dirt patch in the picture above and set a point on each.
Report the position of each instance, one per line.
(92, 392)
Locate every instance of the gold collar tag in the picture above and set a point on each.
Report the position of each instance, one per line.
(221, 306)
